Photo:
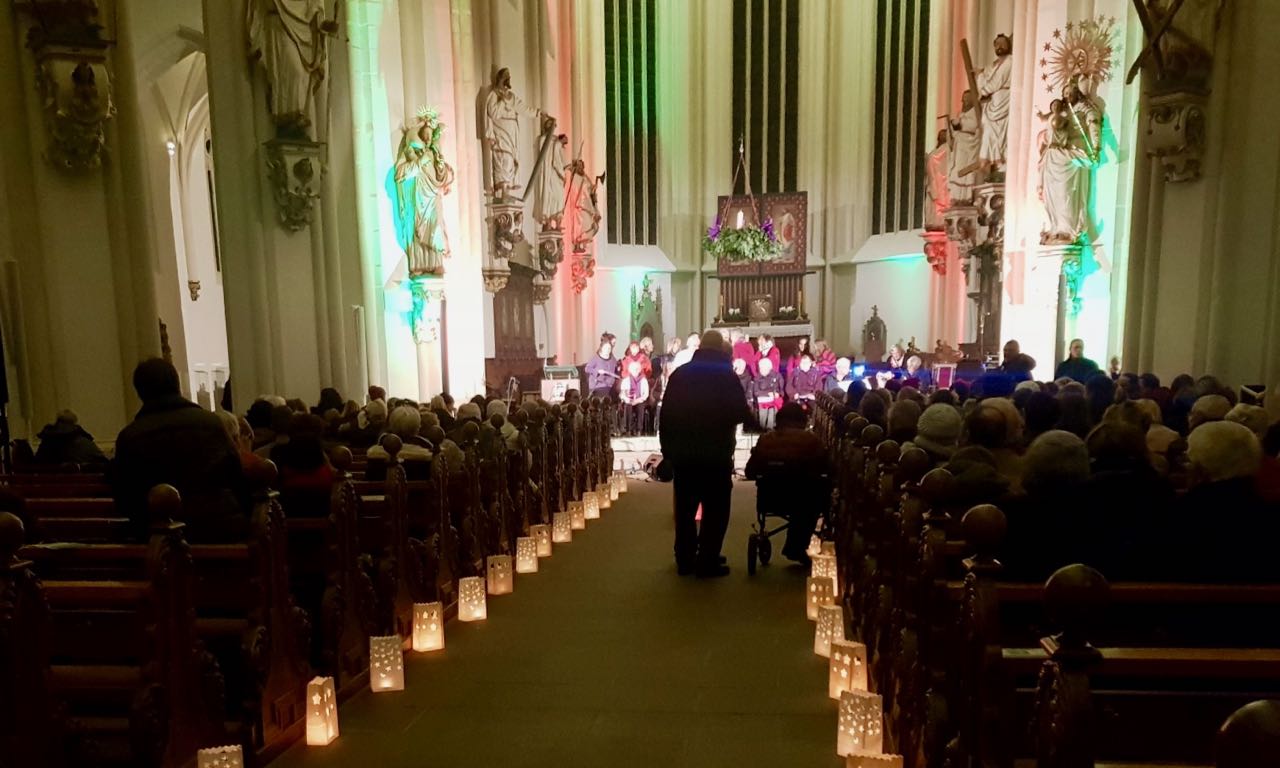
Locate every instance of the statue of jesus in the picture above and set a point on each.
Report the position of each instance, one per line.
(502, 110)
(993, 87)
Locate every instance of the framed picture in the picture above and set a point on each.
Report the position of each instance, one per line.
(789, 214)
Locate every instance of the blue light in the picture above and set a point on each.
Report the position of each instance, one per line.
(859, 371)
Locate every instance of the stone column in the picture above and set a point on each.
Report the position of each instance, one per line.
(428, 299)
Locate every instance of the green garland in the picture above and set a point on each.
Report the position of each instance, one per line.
(740, 246)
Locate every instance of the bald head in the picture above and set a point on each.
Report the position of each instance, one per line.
(1223, 450)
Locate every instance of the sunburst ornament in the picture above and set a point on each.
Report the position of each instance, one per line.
(1085, 50)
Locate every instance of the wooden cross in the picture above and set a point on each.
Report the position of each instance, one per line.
(1154, 34)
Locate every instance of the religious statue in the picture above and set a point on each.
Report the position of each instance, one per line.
(288, 37)
(993, 87)
(937, 193)
(549, 202)
(964, 150)
(1180, 41)
(502, 110)
(1065, 161)
(586, 207)
(417, 186)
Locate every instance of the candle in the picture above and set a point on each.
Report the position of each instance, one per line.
(800, 302)
(739, 220)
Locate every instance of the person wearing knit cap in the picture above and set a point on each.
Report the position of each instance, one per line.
(1208, 408)
(938, 431)
(701, 409)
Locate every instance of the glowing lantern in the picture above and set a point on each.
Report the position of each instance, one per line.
(825, 565)
(620, 477)
(848, 668)
(561, 527)
(819, 591)
(220, 757)
(471, 599)
(604, 496)
(386, 664)
(591, 499)
(527, 554)
(542, 535)
(578, 513)
(615, 486)
(815, 546)
(868, 760)
(501, 580)
(322, 712)
(830, 629)
(827, 548)
(428, 626)
(861, 724)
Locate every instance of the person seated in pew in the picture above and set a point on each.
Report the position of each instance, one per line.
(510, 435)
(470, 412)
(281, 416)
(66, 442)
(302, 462)
(241, 436)
(797, 452)
(172, 440)
(443, 413)
(996, 426)
(1223, 531)
(904, 416)
(1056, 471)
(937, 432)
(405, 422)
(370, 423)
(259, 418)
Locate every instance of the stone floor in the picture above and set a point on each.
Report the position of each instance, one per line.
(607, 658)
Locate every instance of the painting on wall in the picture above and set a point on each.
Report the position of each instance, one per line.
(788, 213)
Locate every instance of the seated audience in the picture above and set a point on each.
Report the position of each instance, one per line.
(903, 417)
(1207, 408)
(1055, 473)
(1222, 530)
(1006, 450)
(259, 417)
(66, 442)
(1101, 392)
(937, 432)
(405, 423)
(241, 436)
(302, 462)
(874, 409)
(1041, 413)
(797, 454)
(1252, 416)
(172, 440)
(853, 396)
(767, 390)
(330, 399)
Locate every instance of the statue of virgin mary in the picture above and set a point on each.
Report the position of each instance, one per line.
(417, 186)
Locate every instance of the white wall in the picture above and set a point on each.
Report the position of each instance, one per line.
(900, 288)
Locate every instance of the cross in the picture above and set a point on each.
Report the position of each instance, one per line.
(1154, 34)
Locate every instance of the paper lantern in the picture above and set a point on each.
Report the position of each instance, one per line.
(621, 477)
(220, 757)
(561, 527)
(848, 668)
(322, 712)
(386, 664)
(830, 629)
(861, 724)
(501, 579)
(589, 500)
(428, 626)
(542, 535)
(815, 546)
(471, 599)
(819, 591)
(868, 760)
(825, 565)
(578, 513)
(526, 555)
(827, 548)
(604, 495)
(615, 486)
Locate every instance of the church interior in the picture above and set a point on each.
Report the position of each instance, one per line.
(325, 324)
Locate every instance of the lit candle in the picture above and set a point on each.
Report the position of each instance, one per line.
(739, 220)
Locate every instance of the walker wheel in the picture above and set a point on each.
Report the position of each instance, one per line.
(766, 549)
(752, 547)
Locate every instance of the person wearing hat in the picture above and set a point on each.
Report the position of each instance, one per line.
(66, 442)
(701, 410)
(937, 432)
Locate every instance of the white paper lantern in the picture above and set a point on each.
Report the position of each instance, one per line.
(868, 760)
(561, 527)
(501, 578)
(861, 727)
(818, 591)
(471, 599)
(830, 629)
(827, 548)
(615, 485)
(825, 565)
(542, 535)
(591, 499)
(220, 757)
(604, 496)
(621, 477)
(428, 626)
(848, 668)
(578, 513)
(322, 712)
(526, 555)
(386, 664)
(815, 546)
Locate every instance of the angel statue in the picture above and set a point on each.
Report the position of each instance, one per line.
(586, 209)
(417, 186)
(288, 37)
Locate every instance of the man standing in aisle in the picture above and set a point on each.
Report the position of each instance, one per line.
(701, 410)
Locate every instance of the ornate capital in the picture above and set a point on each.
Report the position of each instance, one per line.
(295, 169)
(496, 279)
(550, 250)
(506, 227)
(194, 287)
(73, 77)
(1176, 133)
(541, 290)
(1071, 259)
(962, 224)
(935, 250)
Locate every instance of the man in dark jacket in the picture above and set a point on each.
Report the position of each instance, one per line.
(66, 442)
(790, 468)
(1076, 367)
(1016, 364)
(172, 440)
(701, 411)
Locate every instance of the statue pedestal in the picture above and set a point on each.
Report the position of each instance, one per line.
(506, 228)
(550, 251)
(428, 300)
(495, 279)
(295, 170)
(541, 290)
(962, 224)
(935, 249)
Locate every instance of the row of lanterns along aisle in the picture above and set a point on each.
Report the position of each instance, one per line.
(860, 719)
(386, 654)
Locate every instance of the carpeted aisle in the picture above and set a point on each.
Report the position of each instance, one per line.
(607, 658)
